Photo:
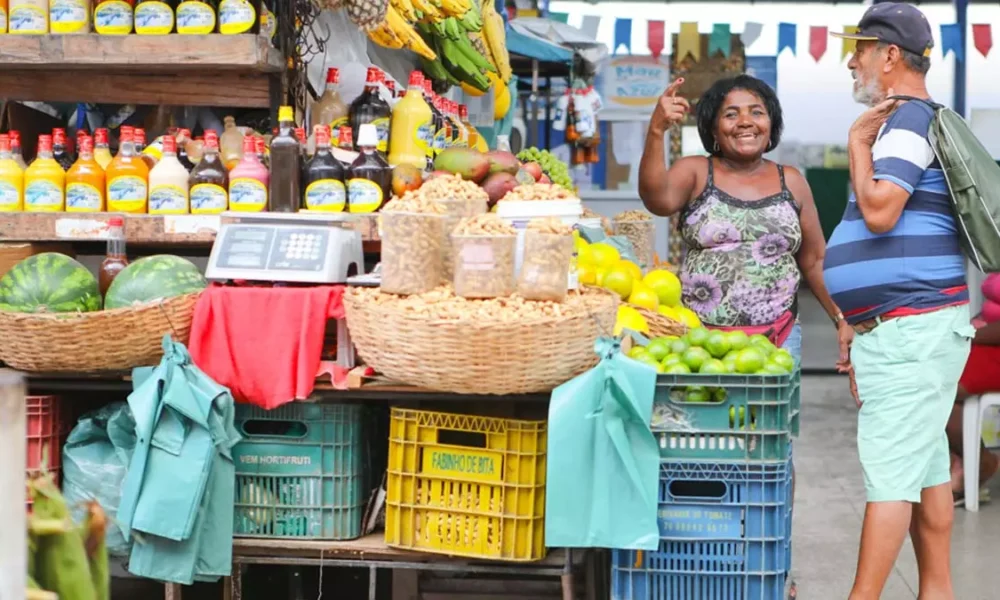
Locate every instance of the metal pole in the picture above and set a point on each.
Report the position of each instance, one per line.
(13, 512)
(962, 18)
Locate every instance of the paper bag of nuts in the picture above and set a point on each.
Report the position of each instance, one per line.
(637, 226)
(548, 250)
(483, 249)
(412, 237)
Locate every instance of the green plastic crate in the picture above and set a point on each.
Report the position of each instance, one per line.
(754, 421)
(299, 472)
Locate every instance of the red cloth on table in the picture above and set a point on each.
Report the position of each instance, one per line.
(263, 343)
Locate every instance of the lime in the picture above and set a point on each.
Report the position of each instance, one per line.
(730, 361)
(696, 393)
(761, 341)
(584, 255)
(631, 267)
(649, 360)
(604, 255)
(695, 357)
(698, 336)
(688, 317)
(619, 280)
(750, 360)
(678, 369)
(738, 340)
(720, 394)
(717, 344)
(666, 285)
(586, 275)
(672, 359)
(668, 311)
(658, 348)
(630, 318)
(783, 358)
(772, 368)
(637, 351)
(643, 297)
(679, 346)
(712, 366)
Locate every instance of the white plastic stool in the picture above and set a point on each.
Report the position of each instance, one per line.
(972, 432)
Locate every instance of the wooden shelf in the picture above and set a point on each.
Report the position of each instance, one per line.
(194, 70)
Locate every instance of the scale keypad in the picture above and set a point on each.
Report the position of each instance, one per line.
(299, 250)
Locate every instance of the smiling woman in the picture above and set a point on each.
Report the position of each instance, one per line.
(749, 226)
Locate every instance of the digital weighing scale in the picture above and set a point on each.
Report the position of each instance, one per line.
(304, 247)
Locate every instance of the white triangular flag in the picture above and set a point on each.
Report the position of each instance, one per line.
(751, 31)
(590, 25)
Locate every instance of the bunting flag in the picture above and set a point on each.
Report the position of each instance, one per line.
(764, 68)
(623, 35)
(655, 38)
(751, 31)
(817, 42)
(688, 42)
(982, 38)
(951, 40)
(786, 37)
(848, 45)
(721, 40)
(561, 17)
(590, 25)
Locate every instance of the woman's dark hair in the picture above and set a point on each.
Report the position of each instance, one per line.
(711, 102)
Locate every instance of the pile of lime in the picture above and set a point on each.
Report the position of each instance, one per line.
(714, 353)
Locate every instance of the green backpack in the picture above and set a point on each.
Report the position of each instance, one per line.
(973, 178)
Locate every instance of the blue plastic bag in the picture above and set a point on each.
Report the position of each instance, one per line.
(603, 460)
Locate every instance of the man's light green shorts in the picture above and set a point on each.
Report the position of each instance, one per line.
(907, 372)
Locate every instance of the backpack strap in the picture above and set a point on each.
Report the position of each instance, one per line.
(933, 105)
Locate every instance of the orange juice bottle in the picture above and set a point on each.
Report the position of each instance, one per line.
(44, 181)
(85, 181)
(102, 153)
(127, 178)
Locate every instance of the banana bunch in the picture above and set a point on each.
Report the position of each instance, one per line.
(397, 32)
(495, 37)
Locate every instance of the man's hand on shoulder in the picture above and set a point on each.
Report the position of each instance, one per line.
(865, 129)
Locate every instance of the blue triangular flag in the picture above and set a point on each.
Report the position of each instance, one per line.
(786, 36)
(623, 35)
(951, 41)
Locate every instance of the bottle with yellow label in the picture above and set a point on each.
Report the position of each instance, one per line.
(195, 17)
(370, 176)
(85, 184)
(324, 177)
(153, 17)
(168, 183)
(411, 140)
(236, 16)
(69, 16)
(113, 17)
(28, 16)
(44, 181)
(102, 153)
(3, 16)
(249, 180)
(11, 179)
(127, 177)
(209, 179)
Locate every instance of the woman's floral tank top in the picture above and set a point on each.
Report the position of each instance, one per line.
(740, 267)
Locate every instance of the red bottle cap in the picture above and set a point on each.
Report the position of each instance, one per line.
(44, 143)
(186, 133)
(322, 135)
(101, 136)
(300, 133)
(212, 139)
(126, 136)
(86, 144)
(125, 129)
(391, 86)
(333, 75)
(260, 145)
(373, 76)
(346, 136)
(140, 136)
(463, 111)
(15, 138)
(169, 144)
(80, 133)
(59, 137)
(416, 79)
(249, 145)
(4, 142)
(428, 88)
(116, 222)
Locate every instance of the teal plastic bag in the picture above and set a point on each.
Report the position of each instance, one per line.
(593, 235)
(603, 461)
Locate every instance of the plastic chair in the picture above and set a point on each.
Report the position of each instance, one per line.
(972, 431)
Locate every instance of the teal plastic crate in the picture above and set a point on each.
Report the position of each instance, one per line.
(753, 418)
(299, 472)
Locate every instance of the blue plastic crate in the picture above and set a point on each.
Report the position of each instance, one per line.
(788, 511)
(750, 418)
(299, 472)
(724, 536)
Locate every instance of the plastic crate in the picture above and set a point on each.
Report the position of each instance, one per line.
(299, 472)
(788, 512)
(45, 432)
(466, 486)
(754, 421)
(723, 536)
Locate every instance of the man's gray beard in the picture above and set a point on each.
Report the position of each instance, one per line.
(869, 95)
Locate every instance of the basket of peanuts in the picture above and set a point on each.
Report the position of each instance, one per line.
(483, 249)
(441, 341)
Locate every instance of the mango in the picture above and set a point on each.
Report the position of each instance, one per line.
(406, 177)
(497, 185)
(503, 162)
(464, 162)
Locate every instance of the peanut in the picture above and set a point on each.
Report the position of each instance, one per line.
(553, 225)
(484, 264)
(539, 191)
(411, 250)
(545, 270)
(637, 226)
(486, 224)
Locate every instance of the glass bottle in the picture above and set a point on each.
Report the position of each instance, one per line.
(231, 143)
(85, 182)
(140, 147)
(169, 185)
(260, 145)
(370, 176)
(183, 137)
(127, 177)
(286, 155)
(153, 17)
(209, 179)
(44, 181)
(102, 152)
(11, 179)
(16, 152)
(59, 152)
(248, 181)
(330, 109)
(370, 108)
(115, 259)
(324, 177)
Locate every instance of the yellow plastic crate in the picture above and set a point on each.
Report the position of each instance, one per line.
(466, 486)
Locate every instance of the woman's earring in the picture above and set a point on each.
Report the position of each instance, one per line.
(715, 146)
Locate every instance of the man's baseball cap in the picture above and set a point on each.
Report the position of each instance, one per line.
(894, 23)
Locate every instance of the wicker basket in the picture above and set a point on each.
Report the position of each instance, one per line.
(660, 326)
(107, 340)
(472, 357)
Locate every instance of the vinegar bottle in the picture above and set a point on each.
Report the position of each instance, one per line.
(209, 179)
(28, 16)
(85, 182)
(248, 181)
(236, 16)
(11, 179)
(127, 177)
(324, 177)
(44, 181)
(286, 170)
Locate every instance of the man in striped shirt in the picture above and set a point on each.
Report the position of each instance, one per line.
(894, 267)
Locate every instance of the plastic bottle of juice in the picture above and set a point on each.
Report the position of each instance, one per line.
(11, 179)
(127, 177)
(3, 16)
(369, 177)
(113, 17)
(236, 16)
(69, 16)
(411, 140)
(59, 149)
(85, 182)
(102, 153)
(15, 148)
(209, 179)
(370, 108)
(231, 142)
(153, 17)
(330, 109)
(248, 181)
(168, 183)
(195, 17)
(28, 16)
(44, 181)
(324, 177)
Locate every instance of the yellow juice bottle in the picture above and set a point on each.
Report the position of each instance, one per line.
(69, 16)
(44, 181)
(127, 178)
(11, 179)
(411, 138)
(102, 153)
(195, 17)
(3, 16)
(85, 183)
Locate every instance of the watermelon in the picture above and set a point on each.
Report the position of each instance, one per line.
(154, 278)
(49, 282)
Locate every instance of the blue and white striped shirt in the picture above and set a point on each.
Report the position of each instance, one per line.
(918, 265)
